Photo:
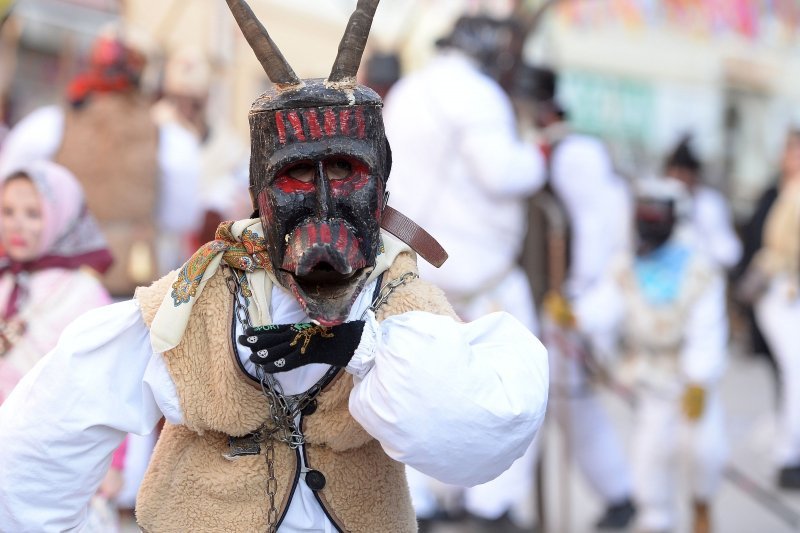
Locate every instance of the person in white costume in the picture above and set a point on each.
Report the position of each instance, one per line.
(597, 206)
(342, 366)
(224, 157)
(667, 303)
(462, 172)
(777, 307)
(174, 152)
(711, 219)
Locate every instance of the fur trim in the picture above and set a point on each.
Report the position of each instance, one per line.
(190, 486)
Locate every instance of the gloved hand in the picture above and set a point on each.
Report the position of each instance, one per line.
(693, 402)
(283, 347)
(558, 309)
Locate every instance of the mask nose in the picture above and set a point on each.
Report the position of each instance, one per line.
(323, 186)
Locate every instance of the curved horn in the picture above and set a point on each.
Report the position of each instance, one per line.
(267, 52)
(355, 39)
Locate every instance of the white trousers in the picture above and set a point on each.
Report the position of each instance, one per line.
(590, 435)
(512, 491)
(661, 430)
(778, 315)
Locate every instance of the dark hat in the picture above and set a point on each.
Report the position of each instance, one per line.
(537, 83)
(683, 156)
(477, 36)
(382, 69)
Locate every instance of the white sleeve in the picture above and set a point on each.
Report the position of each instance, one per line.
(715, 223)
(179, 207)
(704, 353)
(458, 402)
(37, 136)
(499, 158)
(583, 179)
(599, 312)
(63, 421)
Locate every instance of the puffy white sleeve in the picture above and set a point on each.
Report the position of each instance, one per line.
(37, 136)
(458, 402)
(705, 350)
(61, 424)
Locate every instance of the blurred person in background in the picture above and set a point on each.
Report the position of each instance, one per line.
(224, 157)
(667, 302)
(462, 172)
(49, 274)
(711, 219)
(597, 206)
(382, 70)
(774, 280)
(105, 135)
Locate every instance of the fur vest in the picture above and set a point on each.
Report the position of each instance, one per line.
(111, 145)
(190, 486)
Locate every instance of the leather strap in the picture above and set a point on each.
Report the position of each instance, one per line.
(410, 233)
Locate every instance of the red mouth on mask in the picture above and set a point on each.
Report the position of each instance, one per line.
(326, 269)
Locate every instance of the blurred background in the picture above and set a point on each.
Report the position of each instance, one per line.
(638, 73)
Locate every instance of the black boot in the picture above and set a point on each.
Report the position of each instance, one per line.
(789, 477)
(503, 524)
(617, 516)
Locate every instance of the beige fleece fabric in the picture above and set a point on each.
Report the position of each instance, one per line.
(190, 486)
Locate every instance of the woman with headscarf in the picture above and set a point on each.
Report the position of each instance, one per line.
(53, 251)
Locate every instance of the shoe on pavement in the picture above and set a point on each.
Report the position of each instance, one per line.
(617, 516)
(789, 477)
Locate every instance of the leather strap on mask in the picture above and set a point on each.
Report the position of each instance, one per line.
(410, 233)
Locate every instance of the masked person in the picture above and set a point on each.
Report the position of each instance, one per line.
(668, 305)
(298, 358)
(464, 173)
(106, 137)
(712, 223)
(596, 205)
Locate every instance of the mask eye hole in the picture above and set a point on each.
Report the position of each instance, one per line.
(304, 172)
(338, 168)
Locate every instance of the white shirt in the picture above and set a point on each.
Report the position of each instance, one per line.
(598, 206)
(466, 400)
(713, 225)
(39, 136)
(460, 170)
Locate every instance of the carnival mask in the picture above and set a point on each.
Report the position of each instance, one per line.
(318, 170)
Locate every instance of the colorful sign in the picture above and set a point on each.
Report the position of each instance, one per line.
(750, 18)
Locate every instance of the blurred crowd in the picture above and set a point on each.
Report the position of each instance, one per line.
(629, 283)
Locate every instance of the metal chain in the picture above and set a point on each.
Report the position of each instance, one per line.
(284, 409)
(272, 486)
(387, 291)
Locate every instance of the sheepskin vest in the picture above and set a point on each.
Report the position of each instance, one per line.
(190, 486)
(111, 145)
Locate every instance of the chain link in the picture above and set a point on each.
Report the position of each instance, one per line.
(272, 486)
(284, 410)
